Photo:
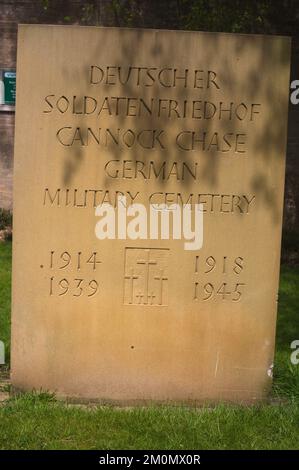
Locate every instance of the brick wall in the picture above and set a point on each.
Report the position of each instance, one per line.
(6, 158)
(13, 12)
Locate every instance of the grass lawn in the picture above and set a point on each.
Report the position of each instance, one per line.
(38, 421)
(5, 283)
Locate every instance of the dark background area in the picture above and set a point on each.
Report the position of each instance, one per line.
(237, 16)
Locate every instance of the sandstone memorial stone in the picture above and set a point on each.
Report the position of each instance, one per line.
(117, 124)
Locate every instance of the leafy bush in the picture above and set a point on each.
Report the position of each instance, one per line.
(5, 218)
(290, 247)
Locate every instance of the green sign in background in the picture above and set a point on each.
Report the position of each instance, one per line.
(9, 79)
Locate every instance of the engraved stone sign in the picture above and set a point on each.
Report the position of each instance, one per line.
(149, 178)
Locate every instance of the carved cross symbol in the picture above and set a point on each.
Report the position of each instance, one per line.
(151, 298)
(147, 262)
(131, 278)
(161, 278)
(140, 297)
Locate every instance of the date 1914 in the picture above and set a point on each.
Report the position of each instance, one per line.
(71, 283)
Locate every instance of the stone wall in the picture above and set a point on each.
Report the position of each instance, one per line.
(13, 12)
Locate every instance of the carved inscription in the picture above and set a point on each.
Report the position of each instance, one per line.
(205, 290)
(153, 163)
(146, 276)
(67, 280)
(212, 203)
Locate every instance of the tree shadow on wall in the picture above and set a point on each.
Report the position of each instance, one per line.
(260, 84)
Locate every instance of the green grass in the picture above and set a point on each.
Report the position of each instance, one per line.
(5, 287)
(38, 421)
(286, 375)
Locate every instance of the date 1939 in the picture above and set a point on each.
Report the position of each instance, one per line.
(72, 283)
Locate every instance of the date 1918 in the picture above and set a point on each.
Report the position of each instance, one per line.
(224, 289)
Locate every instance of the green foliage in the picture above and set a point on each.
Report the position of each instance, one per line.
(5, 218)
(5, 294)
(241, 16)
(290, 247)
(213, 15)
(288, 309)
(229, 16)
(30, 422)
